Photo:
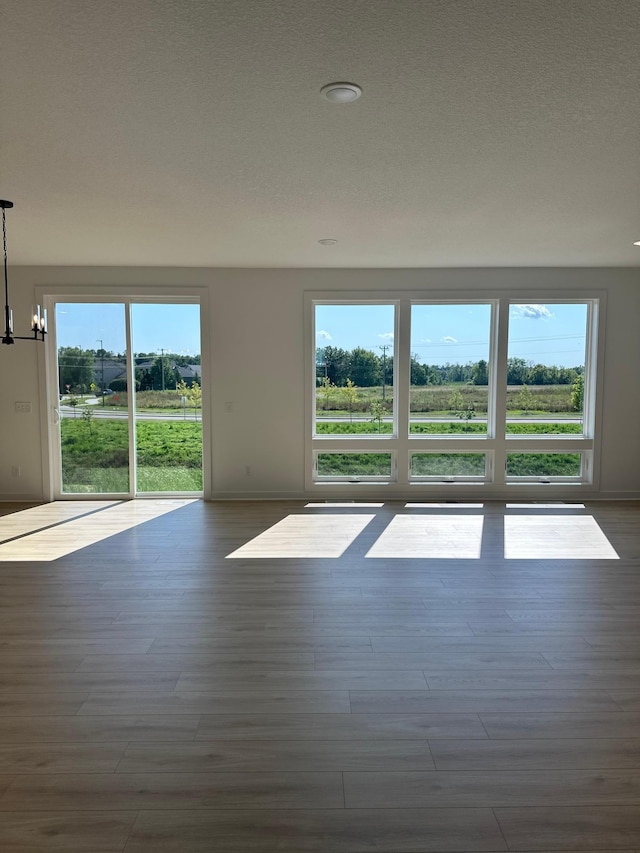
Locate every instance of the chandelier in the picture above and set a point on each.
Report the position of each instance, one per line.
(38, 318)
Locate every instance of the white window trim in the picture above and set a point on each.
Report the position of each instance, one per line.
(497, 443)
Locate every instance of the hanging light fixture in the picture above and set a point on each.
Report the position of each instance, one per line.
(38, 317)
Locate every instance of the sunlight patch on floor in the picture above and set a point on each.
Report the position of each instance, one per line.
(447, 537)
(552, 537)
(448, 505)
(536, 505)
(27, 521)
(351, 504)
(305, 536)
(66, 538)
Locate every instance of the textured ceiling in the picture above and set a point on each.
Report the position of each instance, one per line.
(192, 133)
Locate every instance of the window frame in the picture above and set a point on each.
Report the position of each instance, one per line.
(496, 443)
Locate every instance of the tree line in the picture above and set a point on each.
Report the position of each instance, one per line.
(366, 369)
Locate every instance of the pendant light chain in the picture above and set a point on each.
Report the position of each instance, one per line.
(4, 246)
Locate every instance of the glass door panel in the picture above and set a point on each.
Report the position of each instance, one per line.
(94, 419)
(167, 399)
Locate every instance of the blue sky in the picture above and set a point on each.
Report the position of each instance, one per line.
(549, 334)
(174, 328)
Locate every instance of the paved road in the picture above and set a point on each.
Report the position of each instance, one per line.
(108, 412)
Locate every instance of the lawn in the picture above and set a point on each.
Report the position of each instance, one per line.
(95, 456)
(445, 465)
(453, 427)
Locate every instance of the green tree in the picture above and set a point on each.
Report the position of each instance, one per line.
(326, 391)
(162, 375)
(336, 364)
(517, 371)
(87, 416)
(525, 400)
(455, 402)
(195, 397)
(577, 394)
(467, 413)
(419, 372)
(461, 408)
(184, 391)
(75, 367)
(73, 401)
(365, 368)
(350, 394)
(378, 411)
(480, 375)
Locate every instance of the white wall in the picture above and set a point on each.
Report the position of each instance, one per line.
(256, 324)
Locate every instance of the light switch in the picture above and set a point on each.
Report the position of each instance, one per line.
(23, 407)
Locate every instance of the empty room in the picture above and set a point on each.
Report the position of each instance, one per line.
(319, 408)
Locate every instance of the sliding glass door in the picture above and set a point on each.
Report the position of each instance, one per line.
(168, 397)
(129, 392)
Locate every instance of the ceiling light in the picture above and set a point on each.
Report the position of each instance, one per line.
(38, 318)
(341, 93)
(327, 241)
(637, 243)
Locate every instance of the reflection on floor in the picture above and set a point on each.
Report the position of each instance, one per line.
(77, 526)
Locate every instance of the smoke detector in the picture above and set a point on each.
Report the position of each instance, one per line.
(341, 93)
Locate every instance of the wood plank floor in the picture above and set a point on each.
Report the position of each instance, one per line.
(276, 678)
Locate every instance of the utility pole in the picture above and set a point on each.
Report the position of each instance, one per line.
(102, 357)
(162, 366)
(384, 349)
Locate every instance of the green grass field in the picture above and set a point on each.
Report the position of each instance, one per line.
(454, 427)
(448, 465)
(95, 457)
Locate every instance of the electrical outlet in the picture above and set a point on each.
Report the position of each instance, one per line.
(24, 407)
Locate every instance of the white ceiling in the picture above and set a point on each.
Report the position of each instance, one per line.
(192, 132)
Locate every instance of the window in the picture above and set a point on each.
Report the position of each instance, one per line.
(449, 370)
(354, 370)
(354, 466)
(545, 369)
(448, 467)
(413, 391)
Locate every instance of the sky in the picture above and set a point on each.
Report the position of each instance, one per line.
(548, 334)
(174, 328)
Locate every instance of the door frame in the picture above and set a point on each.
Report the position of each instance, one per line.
(48, 296)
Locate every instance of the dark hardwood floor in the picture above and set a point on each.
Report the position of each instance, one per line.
(280, 678)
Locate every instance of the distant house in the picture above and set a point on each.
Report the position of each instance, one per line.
(190, 373)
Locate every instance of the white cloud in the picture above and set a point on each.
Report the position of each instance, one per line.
(531, 312)
(325, 336)
(388, 336)
(425, 340)
(449, 340)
